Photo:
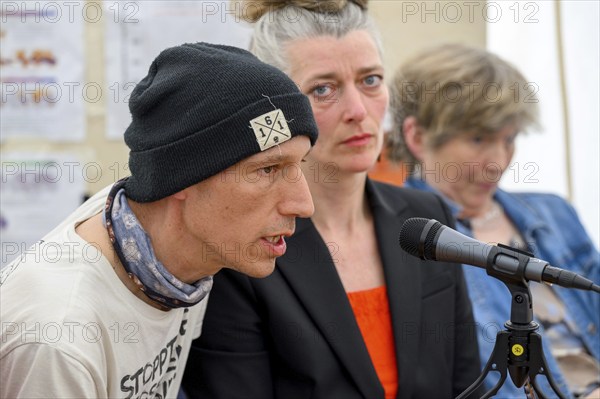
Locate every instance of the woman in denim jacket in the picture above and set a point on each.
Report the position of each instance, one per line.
(457, 139)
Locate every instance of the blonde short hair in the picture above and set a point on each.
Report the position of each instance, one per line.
(454, 89)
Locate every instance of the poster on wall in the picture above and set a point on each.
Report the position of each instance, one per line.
(38, 191)
(41, 70)
(137, 31)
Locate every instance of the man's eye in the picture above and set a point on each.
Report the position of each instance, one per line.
(268, 169)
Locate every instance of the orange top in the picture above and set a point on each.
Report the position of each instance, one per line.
(372, 313)
(388, 172)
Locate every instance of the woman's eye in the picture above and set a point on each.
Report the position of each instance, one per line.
(373, 80)
(322, 90)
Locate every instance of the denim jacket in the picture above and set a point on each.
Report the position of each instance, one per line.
(553, 232)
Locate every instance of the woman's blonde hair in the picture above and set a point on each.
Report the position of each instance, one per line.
(279, 22)
(454, 89)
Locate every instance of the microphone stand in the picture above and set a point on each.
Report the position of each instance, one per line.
(518, 349)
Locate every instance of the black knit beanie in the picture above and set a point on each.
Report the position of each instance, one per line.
(201, 109)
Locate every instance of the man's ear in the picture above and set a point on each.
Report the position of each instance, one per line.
(413, 136)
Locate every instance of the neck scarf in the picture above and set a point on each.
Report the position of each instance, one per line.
(134, 249)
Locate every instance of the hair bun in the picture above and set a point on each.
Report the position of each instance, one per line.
(252, 10)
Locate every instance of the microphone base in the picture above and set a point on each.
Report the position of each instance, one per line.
(521, 375)
(518, 350)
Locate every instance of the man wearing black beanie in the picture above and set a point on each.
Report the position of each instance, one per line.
(107, 304)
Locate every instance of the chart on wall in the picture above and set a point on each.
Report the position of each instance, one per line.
(41, 48)
(137, 31)
(37, 191)
(44, 96)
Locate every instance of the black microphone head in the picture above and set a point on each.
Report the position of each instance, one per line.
(410, 235)
(417, 236)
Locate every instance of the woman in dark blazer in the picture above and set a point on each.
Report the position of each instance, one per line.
(346, 314)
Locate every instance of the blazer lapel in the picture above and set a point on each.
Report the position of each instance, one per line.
(402, 274)
(310, 272)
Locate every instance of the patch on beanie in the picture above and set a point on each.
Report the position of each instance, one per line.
(270, 129)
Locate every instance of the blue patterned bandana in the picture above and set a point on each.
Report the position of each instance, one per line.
(134, 249)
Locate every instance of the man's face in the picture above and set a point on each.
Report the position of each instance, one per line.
(239, 217)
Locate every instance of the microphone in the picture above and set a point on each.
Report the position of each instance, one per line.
(428, 239)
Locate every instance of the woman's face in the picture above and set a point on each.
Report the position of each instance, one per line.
(344, 80)
(468, 167)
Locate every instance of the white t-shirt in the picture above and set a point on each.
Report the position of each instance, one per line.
(71, 329)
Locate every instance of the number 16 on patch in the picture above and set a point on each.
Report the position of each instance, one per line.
(270, 129)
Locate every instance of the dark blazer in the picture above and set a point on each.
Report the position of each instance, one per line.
(293, 334)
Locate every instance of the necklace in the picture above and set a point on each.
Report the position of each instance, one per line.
(493, 213)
